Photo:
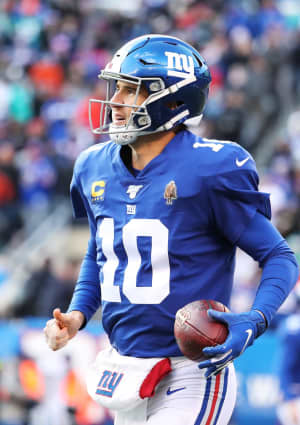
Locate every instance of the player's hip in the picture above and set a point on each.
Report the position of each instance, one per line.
(193, 399)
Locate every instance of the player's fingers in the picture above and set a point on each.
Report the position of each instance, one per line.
(219, 316)
(215, 370)
(211, 371)
(56, 343)
(204, 364)
(61, 318)
(57, 338)
(216, 351)
(216, 361)
(225, 358)
(58, 315)
(50, 326)
(53, 332)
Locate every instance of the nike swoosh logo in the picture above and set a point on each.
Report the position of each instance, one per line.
(249, 332)
(241, 163)
(169, 391)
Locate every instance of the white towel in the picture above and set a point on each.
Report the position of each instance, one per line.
(121, 383)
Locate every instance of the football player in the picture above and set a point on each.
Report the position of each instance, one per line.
(167, 210)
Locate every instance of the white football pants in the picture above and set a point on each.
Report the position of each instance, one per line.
(186, 397)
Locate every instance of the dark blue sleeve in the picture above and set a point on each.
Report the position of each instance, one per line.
(234, 200)
(87, 295)
(262, 241)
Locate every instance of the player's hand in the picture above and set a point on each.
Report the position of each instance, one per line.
(243, 329)
(64, 326)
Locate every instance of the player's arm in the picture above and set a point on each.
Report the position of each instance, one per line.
(86, 297)
(264, 243)
(241, 214)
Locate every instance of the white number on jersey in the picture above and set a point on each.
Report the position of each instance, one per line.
(109, 292)
(213, 144)
(160, 287)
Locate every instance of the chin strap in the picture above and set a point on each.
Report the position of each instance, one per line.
(123, 138)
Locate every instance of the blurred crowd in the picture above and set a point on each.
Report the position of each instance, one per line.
(51, 52)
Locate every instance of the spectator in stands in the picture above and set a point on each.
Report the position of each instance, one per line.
(10, 217)
(48, 286)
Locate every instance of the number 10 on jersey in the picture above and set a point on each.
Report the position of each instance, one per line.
(158, 247)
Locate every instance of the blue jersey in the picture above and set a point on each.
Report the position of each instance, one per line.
(166, 236)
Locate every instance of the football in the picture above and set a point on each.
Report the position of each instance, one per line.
(194, 329)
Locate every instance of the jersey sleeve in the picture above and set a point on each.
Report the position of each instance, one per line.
(87, 294)
(234, 200)
(79, 210)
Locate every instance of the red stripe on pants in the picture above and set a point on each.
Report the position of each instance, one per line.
(213, 405)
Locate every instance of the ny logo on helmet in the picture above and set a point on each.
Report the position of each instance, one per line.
(183, 64)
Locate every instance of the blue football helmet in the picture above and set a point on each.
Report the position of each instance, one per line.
(172, 71)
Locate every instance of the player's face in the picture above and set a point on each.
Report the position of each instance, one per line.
(125, 93)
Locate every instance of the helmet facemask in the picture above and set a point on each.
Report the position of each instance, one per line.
(139, 120)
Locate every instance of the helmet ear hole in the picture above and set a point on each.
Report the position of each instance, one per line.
(174, 104)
